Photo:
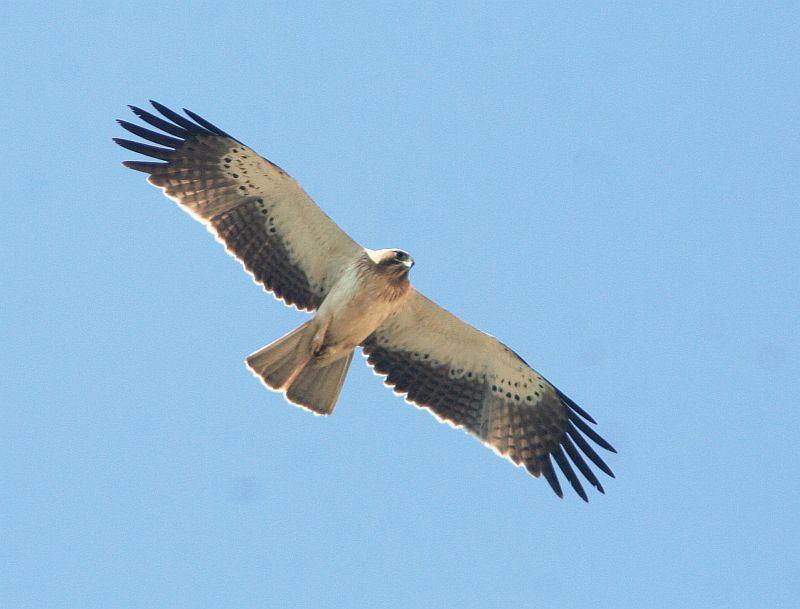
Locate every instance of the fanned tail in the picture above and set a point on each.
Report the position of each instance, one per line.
(279, 362)
(288, 365)
(317, 386)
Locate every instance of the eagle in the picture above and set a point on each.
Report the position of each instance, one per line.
(362, 298)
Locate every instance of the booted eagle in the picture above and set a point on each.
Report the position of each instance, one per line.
(362, 298)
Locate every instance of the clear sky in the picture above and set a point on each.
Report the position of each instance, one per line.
(614, 192)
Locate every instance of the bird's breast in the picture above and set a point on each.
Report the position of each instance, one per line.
(356, 305)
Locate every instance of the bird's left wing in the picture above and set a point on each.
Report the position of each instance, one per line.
(471, 380)
(255, 208)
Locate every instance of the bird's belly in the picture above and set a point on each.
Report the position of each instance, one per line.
(351, 324)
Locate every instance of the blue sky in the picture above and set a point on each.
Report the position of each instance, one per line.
(613, 191)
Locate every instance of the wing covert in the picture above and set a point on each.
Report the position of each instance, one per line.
(261, 215)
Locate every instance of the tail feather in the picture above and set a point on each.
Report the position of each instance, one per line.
(317, 386)
(287, 365)
(279, 361)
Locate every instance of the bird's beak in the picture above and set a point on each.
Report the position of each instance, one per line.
(409, 263)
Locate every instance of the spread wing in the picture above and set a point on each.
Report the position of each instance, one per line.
(255, 208)
(472, 381)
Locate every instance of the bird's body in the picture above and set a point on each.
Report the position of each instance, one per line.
(309, 364)
(360, 301)
(362, 298)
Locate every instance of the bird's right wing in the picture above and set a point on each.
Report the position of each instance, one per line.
(471, 380)
(255, 208)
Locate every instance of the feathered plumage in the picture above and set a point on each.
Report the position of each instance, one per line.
(362, 298)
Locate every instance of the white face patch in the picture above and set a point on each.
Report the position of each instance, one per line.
(377, 255)
(374, 255)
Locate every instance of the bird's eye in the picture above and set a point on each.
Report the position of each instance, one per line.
(401, 255)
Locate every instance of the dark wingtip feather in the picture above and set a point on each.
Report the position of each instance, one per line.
(581, 464)
(204, 123)
(588, 450)
(566, 468)
(143, 166)
(591, 433)
(177, 118)
(571, 404)
(550, 475)
(151, 136)
(160, 123)
(154, 151)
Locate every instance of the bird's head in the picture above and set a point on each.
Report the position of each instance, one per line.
(393, 261)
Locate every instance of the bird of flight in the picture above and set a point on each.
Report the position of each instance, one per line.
(362, 298)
